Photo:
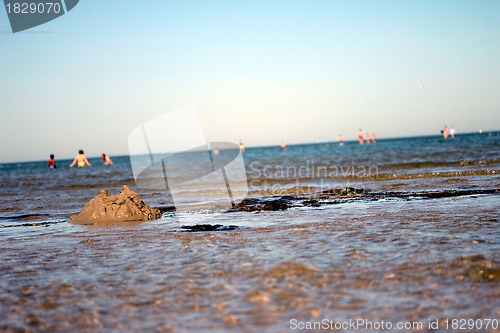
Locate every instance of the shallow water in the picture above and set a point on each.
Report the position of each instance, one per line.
(396, 259)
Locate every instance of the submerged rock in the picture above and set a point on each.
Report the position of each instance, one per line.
(252, 205)
(126, 206)
(208, 227)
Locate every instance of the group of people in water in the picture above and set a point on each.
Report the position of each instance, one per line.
(362, 139)
(369, 138)
(448, 132)
(80, 160)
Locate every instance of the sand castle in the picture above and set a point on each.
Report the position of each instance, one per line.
(126, 206)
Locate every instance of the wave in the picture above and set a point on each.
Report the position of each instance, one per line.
(434, 164)
(364, 174)
(436, 174)
(24, 217)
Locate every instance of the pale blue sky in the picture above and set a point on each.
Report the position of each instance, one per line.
(262, 71)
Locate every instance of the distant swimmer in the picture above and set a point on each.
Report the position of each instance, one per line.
(360, 136)
(52, 162)
(107, 160)
(81, 159)
(340, 139)
(215, 151)
(367, 138)
(445, 132)
(452, 132)
(242, 146)
(374, 137)
(282, 145)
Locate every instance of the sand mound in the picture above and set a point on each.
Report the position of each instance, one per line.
(126, 206)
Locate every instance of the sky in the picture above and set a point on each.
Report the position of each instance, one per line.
(261, 71)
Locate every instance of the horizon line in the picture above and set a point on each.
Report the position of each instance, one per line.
(288, 145)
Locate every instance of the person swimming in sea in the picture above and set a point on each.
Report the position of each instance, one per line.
(81, 159)
(52, 162)
(445, 132)
(340, 139)
(242, 146)
(282, 145)
(107, 160)
(360, 136)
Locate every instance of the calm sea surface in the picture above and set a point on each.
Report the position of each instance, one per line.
(399, 259)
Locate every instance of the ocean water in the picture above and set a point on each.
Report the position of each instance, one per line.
(404, 231)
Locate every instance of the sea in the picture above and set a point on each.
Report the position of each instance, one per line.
(401, 235)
